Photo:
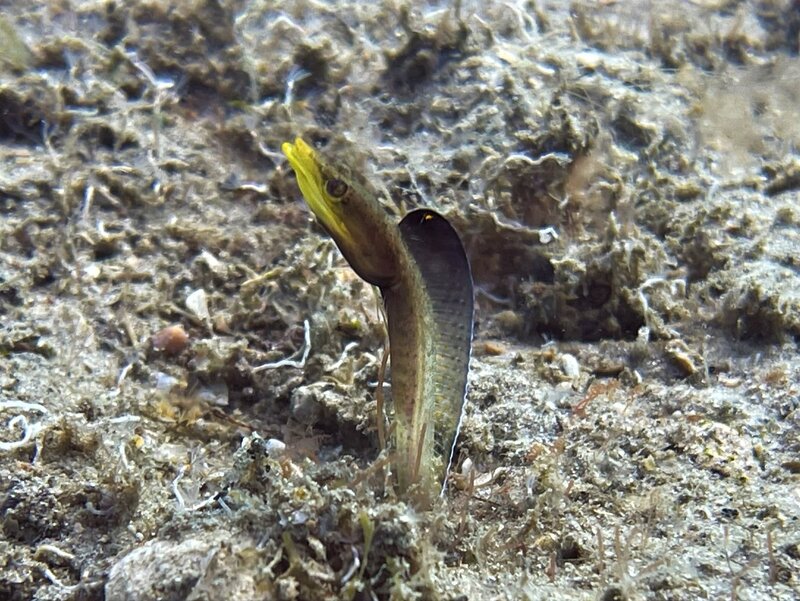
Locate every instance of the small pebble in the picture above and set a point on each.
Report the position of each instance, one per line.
(172, 340)
(166, 382)
(682, 357)
(305, 406)
(275, 447)
(493, 348)
(570, 365)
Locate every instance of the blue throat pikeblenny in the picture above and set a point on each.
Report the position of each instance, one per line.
(423, 273)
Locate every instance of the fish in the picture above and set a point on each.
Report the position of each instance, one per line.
(423, 272)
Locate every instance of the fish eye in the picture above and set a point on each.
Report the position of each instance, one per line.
(336, 188)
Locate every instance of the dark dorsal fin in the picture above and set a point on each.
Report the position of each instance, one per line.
(443, 264)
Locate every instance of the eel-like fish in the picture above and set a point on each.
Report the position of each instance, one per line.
(423, 273)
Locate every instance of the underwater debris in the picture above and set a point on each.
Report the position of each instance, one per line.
(19, 422)
(292, 361)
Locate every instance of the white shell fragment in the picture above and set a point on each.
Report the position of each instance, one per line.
(197, 303)
(570, 365)
(275, 447)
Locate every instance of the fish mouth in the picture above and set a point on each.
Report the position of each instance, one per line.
(305, 163)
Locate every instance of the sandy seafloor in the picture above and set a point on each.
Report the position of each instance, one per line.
(626, 179)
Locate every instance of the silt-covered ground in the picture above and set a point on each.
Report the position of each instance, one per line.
(626, 180)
